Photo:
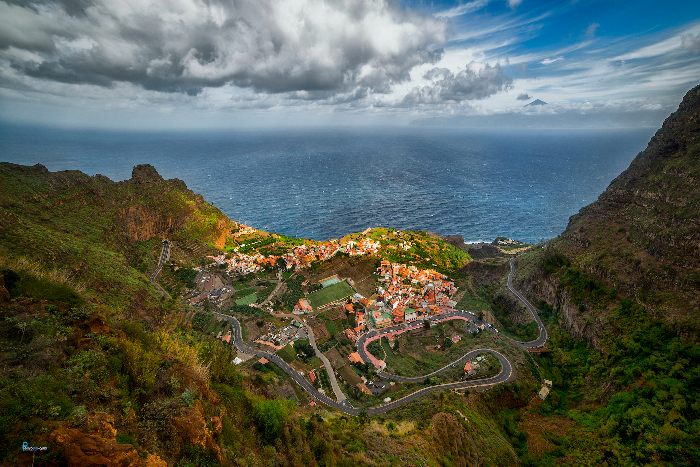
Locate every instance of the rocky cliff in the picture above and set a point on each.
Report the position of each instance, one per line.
(639, 241)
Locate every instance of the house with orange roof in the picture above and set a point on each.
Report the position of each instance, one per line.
(398, 314)
(303, 306)
(381, 320)
(468, 368)
(355, 358)
(350, 334)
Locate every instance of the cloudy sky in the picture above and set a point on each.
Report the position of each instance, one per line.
(236, 63)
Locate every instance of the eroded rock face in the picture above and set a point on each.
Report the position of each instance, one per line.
(140, 223)
(94, 445)
(153, 461)
(191, 428)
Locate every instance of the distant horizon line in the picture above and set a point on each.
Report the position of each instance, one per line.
(285, 128)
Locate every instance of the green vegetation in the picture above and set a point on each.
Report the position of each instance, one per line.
(330, 294)
(201, 319)
(247, 300)
(293, 294)
(287, 353)
(502, 310)
(185, 275)
(417, 354)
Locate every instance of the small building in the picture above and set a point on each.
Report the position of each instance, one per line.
(410, 314)
(303, 306)
(363, 387)
(468, 368)
(312, 376)
(544, 392)
(548, 383)
(264, 360)
(381, 319)
(355, 358)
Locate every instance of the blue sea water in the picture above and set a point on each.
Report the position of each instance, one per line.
(322, 184)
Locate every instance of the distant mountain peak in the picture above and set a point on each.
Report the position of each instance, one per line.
(536, 102)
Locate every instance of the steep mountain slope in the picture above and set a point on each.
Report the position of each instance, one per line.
(641, 238)
(100, 233)
(624, 281)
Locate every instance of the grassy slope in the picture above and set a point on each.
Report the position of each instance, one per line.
(86, 226)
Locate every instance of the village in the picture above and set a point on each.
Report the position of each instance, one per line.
(405, 297)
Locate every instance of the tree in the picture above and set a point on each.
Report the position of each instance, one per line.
(281, 263)
(304, 350)
(269, 416)
(363, 417)
(426, 324)
(480, 315)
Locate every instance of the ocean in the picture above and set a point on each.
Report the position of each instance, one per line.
(326, 183)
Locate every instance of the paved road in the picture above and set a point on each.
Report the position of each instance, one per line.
(343, 404)
(326, 364)
(329, 369)
(164, 256)
(362, 346)
(272, 294)
(542, 339)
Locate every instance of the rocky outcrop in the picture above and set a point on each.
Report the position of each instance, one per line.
(455, 240)
(583, 325)
(95, 444)
(485, 251)
(145, 173)
(140, 223)
(191, 428)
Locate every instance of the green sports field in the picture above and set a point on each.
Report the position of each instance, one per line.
(247, 300)
(330, 294)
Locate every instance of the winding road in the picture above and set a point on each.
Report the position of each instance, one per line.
(540, 341)
(344, 405)
(164, 256)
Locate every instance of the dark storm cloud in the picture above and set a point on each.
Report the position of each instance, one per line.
(321, 47)
(468, 84)
(524, 97)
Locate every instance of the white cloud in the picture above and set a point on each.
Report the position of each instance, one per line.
(691, 42)
(678, 42)
(548, 61)
(463, 9)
